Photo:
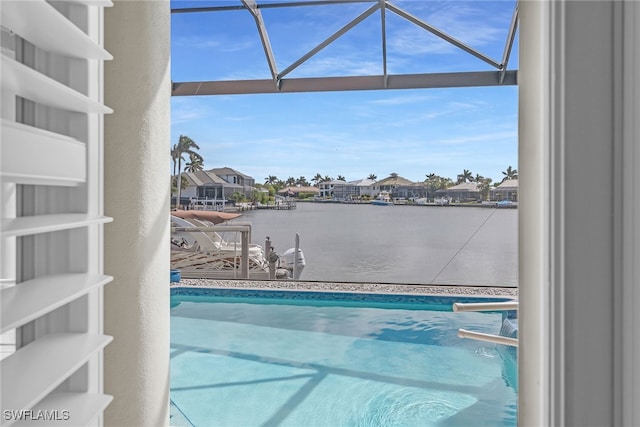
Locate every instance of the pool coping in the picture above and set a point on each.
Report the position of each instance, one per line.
(377, 288)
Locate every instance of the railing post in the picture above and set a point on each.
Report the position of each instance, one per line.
(295, 257)
(270, 259)
(244, 267)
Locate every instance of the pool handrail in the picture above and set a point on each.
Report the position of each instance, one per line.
(486, 306)
(480, 336)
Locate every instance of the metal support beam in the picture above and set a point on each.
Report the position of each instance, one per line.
(383, 24)
(442, 35)
(252, 6)
(330, 39)
(509, 44)
(345, 83)
(267, 5)
(330, 84)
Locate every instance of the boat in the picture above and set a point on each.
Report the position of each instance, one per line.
(198, 250)
(505, 204)
(382, 199)
(442, 201)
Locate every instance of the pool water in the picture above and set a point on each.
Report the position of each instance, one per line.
(260, 358)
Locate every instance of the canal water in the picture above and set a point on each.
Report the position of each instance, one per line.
(396, 244)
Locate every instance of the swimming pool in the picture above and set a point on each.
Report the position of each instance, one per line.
(267, 358)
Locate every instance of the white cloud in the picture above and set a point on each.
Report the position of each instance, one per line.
(483, 137)
(472, 24)
(403, 99)
(186, 110)
(337, 66)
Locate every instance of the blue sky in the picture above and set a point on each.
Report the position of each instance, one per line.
(353, 134)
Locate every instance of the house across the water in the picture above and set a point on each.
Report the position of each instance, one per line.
(215, 186)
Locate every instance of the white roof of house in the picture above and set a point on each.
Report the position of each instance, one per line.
(203, 178)
(508, 183)
(363, 182)
(465, 186)
(334, 182)
(228, 171)
(394, 180)
(206, 178)
(293, 189)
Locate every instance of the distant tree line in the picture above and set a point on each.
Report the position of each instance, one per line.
(432, 180)
(187, 147)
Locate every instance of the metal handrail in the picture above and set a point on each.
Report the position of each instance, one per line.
(496, 339)
(486, 306)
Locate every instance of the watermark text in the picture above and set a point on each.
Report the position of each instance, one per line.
(36, 415)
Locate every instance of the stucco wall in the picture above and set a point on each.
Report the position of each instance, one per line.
(137, 172)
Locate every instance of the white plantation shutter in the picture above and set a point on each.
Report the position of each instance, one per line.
(51, 259)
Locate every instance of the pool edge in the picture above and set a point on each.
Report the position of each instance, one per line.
(379, 288)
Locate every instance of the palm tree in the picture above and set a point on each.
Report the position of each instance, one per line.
(184, 183)
(302, 182)
(341, 178)
(484, 185)
(195, 163)
(510, 173)
(432, 180)
(327, 178)
(372, 176)
(465, 176)
(444, 183)
(291, 181)
(317, 179)
(184, 146)
(271, 179)
(174, 158)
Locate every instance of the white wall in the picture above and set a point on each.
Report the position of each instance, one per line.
(576, 97)
(137, 172)
(628, 321)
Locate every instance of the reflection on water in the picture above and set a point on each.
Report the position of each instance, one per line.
(397, 244)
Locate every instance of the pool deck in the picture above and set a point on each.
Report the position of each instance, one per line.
(377, 288)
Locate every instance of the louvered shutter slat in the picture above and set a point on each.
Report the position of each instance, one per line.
(101, 3)
(36, 224)
(83, 406)
(36, 21)
(20, 142)
(34, 86)
(65, 353)
(34, 298)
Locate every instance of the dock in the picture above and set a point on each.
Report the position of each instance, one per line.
(280, 206)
